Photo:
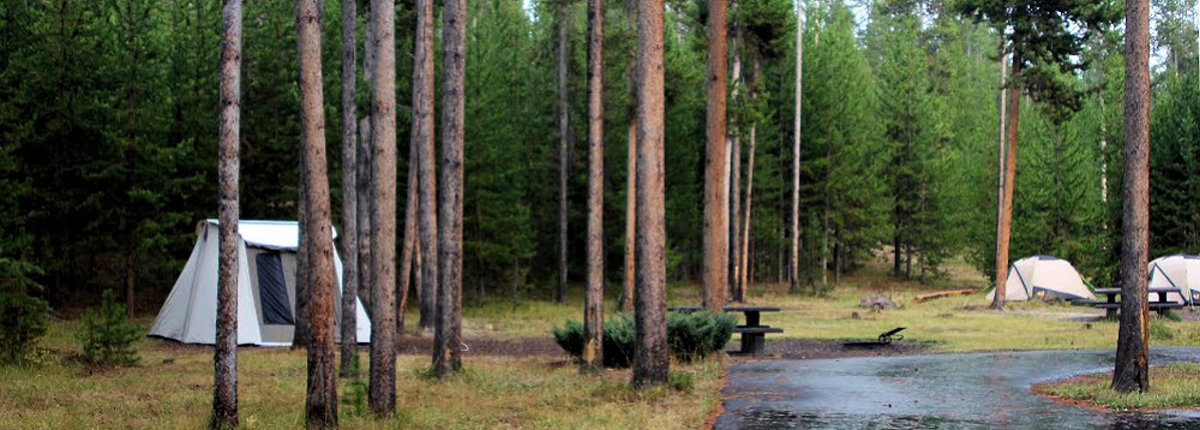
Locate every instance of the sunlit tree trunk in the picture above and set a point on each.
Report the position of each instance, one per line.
(1000, 171)
(225, 401)
(794, 272)
(735, 191)
(1010, 170)
(321, 398)
(716, 201)
(382, 390)
(593, 314)
(447, 352)
(627, 291)
(650, 363)
(1133, 337)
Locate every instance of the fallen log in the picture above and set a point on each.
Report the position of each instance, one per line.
(940, 294)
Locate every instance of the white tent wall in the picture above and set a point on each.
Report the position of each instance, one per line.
(1050, 274)
(1179, 271)
(189, 313)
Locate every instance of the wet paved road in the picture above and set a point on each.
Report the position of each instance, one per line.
(943, 391)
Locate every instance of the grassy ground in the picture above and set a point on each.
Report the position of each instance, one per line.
(172, 386)
(1172, 386)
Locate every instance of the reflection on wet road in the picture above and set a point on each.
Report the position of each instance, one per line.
(944, 391)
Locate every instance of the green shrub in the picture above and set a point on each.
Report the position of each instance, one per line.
(108, 338)
(689, 336)
(22, 317)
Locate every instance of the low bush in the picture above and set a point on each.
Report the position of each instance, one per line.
(689, 336)
(108, 338)
(22, 316)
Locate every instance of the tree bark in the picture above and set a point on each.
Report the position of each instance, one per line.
(650, 353)
(382, 391)
(735, 191)
(1001, 289)
(407, 248)
(716, 201)
(447, 356)
(423, 137)
(794, 273)
(593, 313)
(225, 401)
(366, 204)
(564, 162)
(630, 221)
(300, 335)
(1131, 371)
(349, 188)
(321, 398)
(1010, 171)
(745, 262)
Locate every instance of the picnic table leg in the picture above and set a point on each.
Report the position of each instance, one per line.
(752, 319)
(753, 343)
(1111, 313)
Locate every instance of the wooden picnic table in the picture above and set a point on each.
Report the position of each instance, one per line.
(753, 333)
(1161, 305)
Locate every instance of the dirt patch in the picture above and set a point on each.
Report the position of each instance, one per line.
(810, 349)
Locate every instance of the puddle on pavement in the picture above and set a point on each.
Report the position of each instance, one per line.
(765, 419)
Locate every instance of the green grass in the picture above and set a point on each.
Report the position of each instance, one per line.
(1173, 386)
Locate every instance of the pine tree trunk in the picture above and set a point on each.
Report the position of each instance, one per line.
(794, 273)
(382, 390)
(564, 161)
(627, 291)
(349, 183)
(321, 398)
(745, 263)
(423, 136)
(447, 355)
(1010, 169)
(407, 248)
(1131, 371)
(650, 353)
(735, 191)
(365, 206)
(301, 336)
(1001, 271)
(225, 401)
(716, 201)
(593, 313)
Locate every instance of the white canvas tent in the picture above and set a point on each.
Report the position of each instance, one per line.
(1181, 272)
(266, 288)
(1043, 277)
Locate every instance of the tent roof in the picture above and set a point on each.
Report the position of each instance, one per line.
(282, 235)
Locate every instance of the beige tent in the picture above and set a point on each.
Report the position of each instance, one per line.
(1179, 271)
(266, 288)
(1043, 277)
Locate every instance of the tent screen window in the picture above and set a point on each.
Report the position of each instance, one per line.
(273, 291)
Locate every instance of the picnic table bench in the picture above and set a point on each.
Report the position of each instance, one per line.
(1111, 305)
(753, 333)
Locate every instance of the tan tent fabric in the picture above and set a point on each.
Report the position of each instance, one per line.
(1180, 271)
(190, 313)
(1043, 276)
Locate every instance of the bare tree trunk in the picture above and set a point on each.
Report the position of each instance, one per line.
(382, 391)
(447, 356)
(366, 205)
(593, 312)
(794, 273)
(300, 335)
(349, 183)
(1010, 169)
(716, 201)
(321, 398)
(1001, 172)
(630, 221)
(650, 353)
(225, 401)
(564, 162)
(407, 261)
(1131, 371)
(423, 137)
(743, 282)
(735, 169)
